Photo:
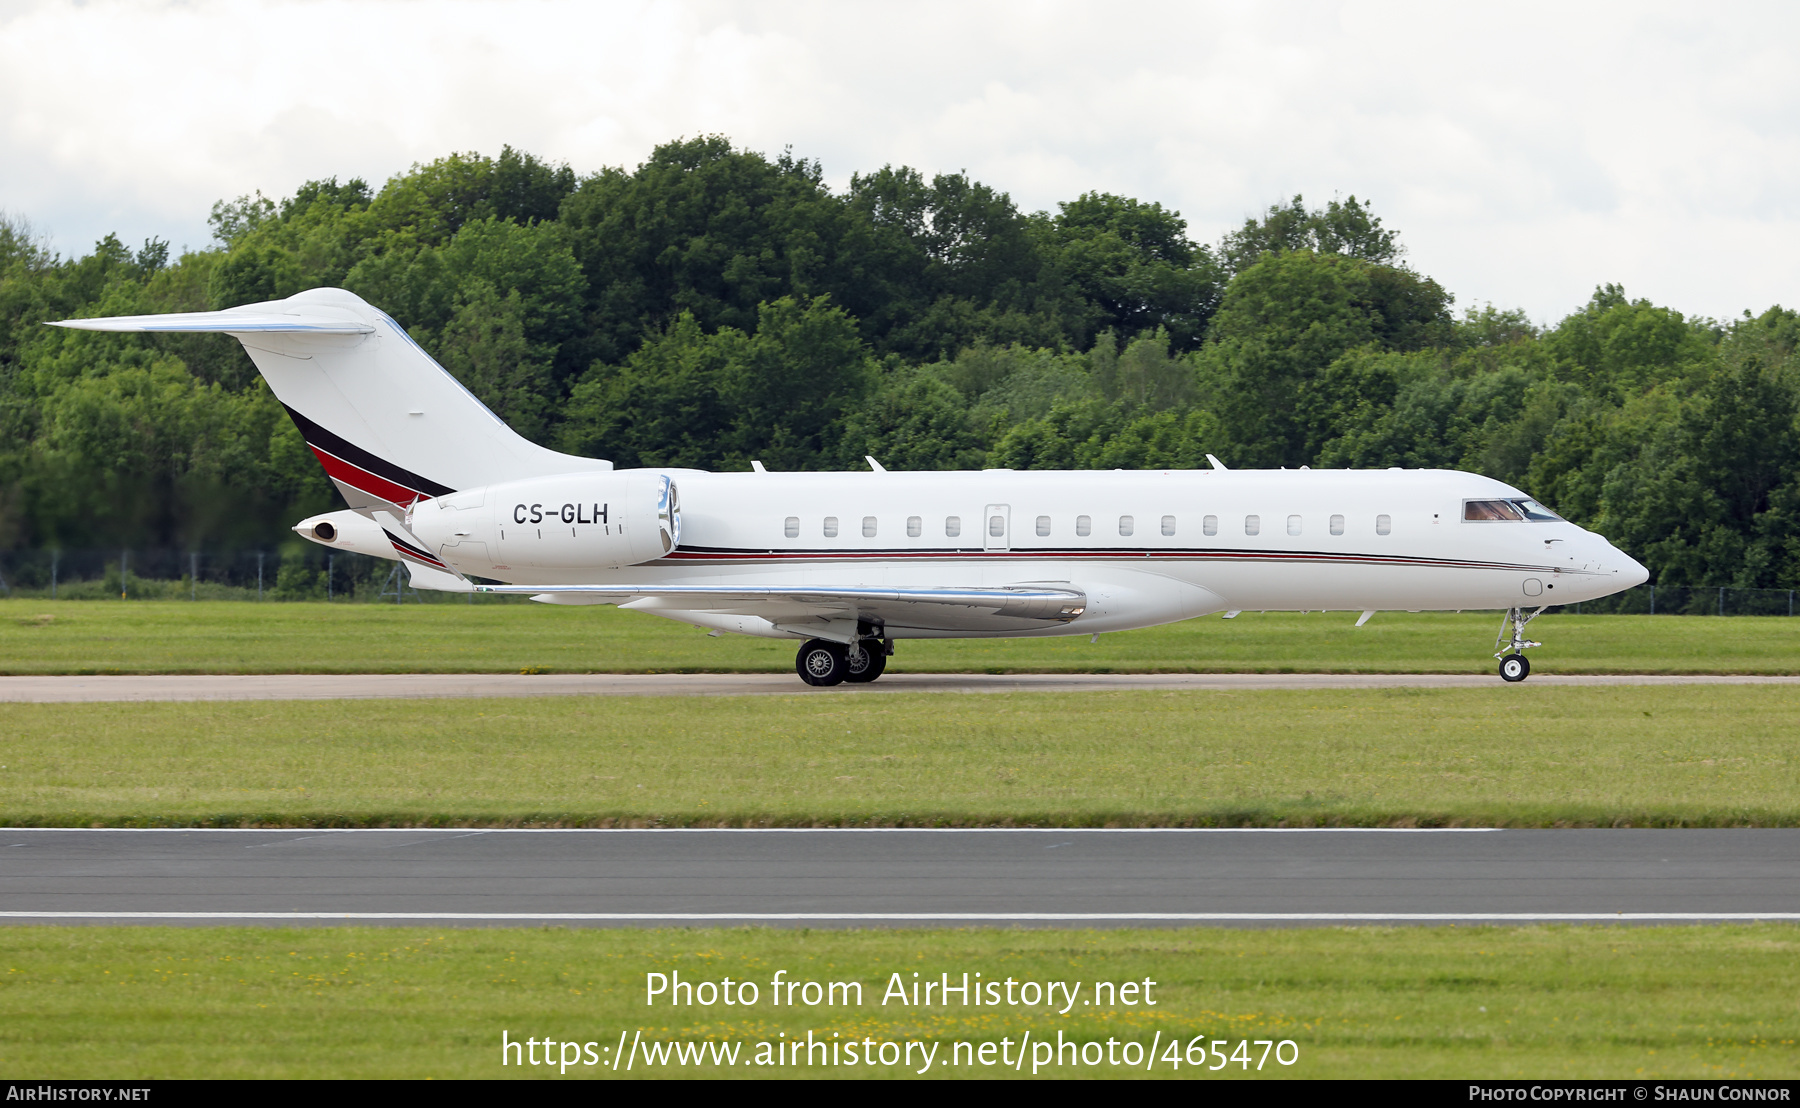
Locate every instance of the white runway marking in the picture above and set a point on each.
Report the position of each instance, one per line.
(949, 917)
(387, 686)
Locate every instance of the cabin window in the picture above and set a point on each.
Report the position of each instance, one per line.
(953, 526)
(1043, 526)
(791, 527)
(1168, 525)
(1084, 526)
(831, 527)
(1337, 525)
(914, 527)
(1126, 525)
(868, 527)
(1490, 509)
(1293, 525)
(1384, 525)
(1210, 525)
(1252, 525)
(997, 526)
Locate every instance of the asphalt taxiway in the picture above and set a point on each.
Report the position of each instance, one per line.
(361, 686)
(837, 877)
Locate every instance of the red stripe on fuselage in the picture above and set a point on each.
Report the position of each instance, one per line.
(359, 478)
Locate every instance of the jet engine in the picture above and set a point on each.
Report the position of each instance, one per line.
(347, 531)
(595, 520)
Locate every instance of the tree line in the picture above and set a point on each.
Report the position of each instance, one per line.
(715, 305)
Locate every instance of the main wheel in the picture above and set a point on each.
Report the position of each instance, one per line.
(868, 664)
(821, 663)
(1514, 667)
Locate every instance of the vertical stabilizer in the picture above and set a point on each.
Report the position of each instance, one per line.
(391, 426)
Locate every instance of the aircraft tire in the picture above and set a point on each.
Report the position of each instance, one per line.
(1514, 667)
(874, 663)
(821, 663)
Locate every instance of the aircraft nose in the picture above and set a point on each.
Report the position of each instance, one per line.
(1631, 571)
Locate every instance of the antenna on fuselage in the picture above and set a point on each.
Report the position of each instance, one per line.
(1216, 463)
(873, 464)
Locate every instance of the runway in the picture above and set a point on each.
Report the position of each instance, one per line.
(361, 686)
(832, 877)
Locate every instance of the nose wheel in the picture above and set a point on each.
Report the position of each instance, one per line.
(1510, 644)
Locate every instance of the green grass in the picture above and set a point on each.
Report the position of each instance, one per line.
(1518, 756)
(87, 637)
(1545, 1002)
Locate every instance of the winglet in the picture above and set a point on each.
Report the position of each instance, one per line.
(1216, 463)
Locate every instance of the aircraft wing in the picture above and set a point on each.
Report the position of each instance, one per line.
(1010, 607)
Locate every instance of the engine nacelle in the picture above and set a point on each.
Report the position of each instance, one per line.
(569, 521)
(347, 530)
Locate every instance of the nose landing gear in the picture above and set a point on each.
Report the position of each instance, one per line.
(1511, 647)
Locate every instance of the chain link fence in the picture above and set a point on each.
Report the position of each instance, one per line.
(1691, 600)
(283, 574)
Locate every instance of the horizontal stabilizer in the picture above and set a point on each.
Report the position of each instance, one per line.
(319, 320)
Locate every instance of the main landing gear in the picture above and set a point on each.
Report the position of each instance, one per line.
(1511, 647)
(821, 662)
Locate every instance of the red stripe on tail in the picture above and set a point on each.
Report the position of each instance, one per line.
(357, 477)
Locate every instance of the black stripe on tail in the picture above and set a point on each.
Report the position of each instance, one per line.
(318, 437)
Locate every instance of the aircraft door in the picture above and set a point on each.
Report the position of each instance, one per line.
(996, 527)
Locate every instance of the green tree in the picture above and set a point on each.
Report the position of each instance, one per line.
(913, 421)
(689, 398)
(1284, 321)
(1133, 262)
(1616, 347)
(1349, 227)
(699, 228)
(1692, 504)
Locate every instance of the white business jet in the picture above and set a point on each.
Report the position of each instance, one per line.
(851, 562)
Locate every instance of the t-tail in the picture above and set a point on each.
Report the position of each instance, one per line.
(390, 425)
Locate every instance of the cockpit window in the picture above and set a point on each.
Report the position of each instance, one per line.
(1537, 512)
(1508, 509)
(1490, 509)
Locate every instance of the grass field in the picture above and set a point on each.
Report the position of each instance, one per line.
(39, 636)
(93, 1003)
(1518, 756)
(1544, 1002)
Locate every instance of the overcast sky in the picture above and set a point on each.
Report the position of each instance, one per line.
(1526, 152)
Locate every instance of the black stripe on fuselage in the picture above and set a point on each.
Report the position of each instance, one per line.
(323, 439)
(405, 547)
